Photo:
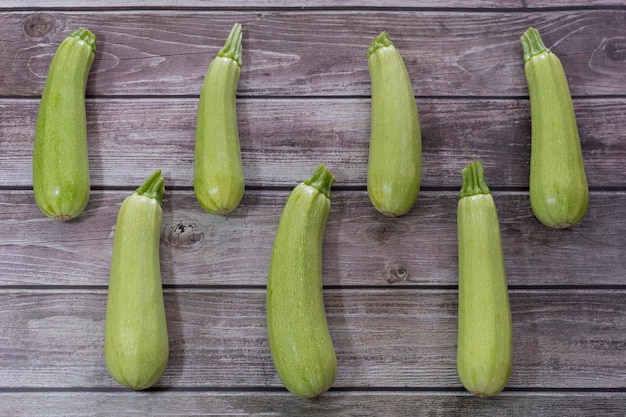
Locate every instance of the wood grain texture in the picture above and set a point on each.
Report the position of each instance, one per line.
(390, 284)
(302, 4)
(282, 140)
(361, 247)
(333, 403)
(394, 338)
(316, 53)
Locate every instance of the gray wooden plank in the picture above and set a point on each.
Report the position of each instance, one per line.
(243, 4)
(335, 403)
(283, 139)
(313, 53)
(361, 247)
(386, 338)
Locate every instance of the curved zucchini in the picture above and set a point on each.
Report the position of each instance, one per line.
(136, 343)
(394, 168)
(299, 339)
(218, 172)
(485, 335)
(559, 194)
(60, 160)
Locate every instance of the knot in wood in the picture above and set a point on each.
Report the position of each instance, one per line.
(181, 234)
(615, 49)
(39, 25)
(397, 273)
(381, 231)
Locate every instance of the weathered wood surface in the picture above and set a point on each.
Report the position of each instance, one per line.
(390, 283)
(384, 338)
(337, 403)
(303, 4)
(318, 53)
(283, 140)
(361, 247)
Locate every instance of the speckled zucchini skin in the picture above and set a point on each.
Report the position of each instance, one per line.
(299, 338)
(559, 194)
(218, 170)
(394, 169)
(60, 159)
(136, 344)
(485, 333)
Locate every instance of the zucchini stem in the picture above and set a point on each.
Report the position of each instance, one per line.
(321, 179)
(380, 41)
(86, 36)
(532, 44)
(474, 180)
(232, 46)
(153, 187)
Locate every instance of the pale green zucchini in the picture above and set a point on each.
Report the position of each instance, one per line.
(485, 335)
(136, 344)
(60, 160)
(218, 172)
(559, 194)
(394, 167)
(299, 339)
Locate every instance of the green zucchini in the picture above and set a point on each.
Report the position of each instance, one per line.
(136, 343)
(485, 334)
(394, 167)
(559, 194)
(60, 160)
(218, 172)
(300, 343)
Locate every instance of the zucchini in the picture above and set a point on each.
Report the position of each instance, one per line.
(300, 343)
(60, 160)
(559, 194)
(136, 342)
(394, 167)
(218, 172)
(485, 335)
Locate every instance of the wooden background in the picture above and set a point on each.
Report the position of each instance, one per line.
(390, 284)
